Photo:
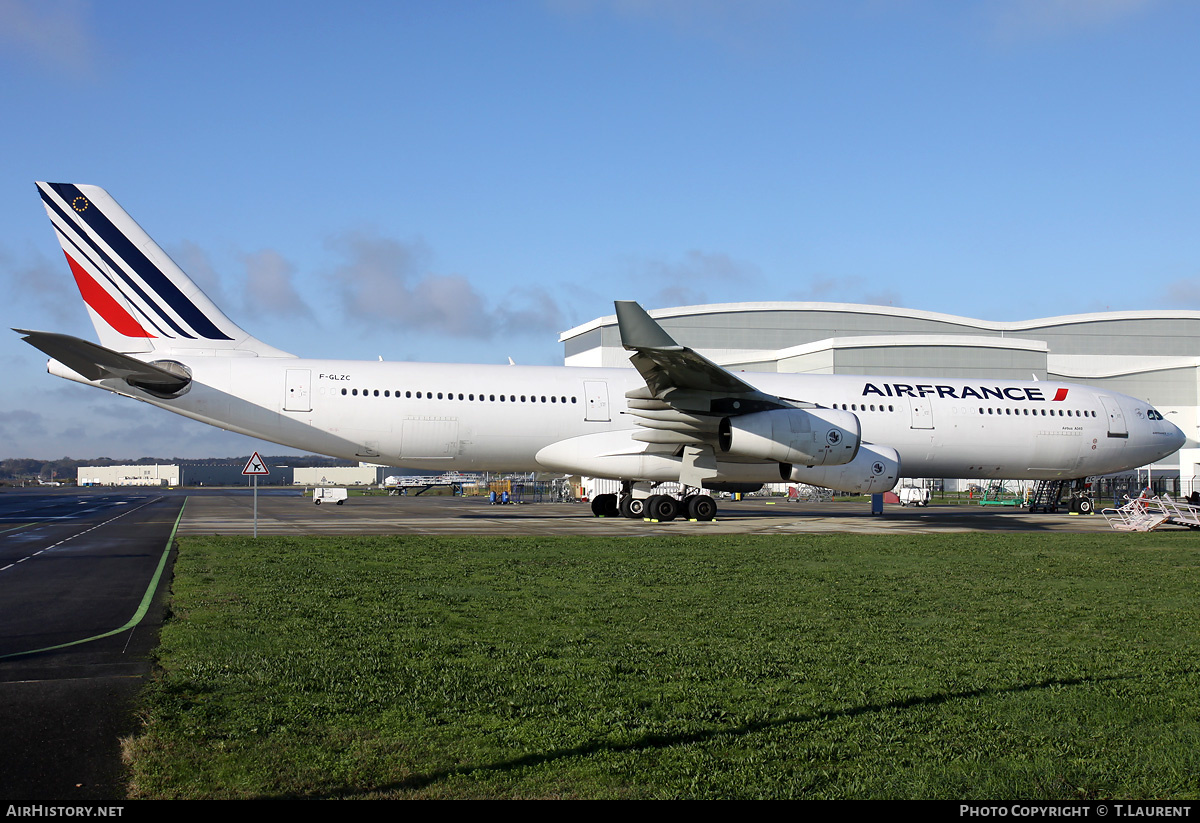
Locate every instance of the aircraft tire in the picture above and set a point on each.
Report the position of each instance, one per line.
(662, 507)
(632, 507)
(648, 506)
(702, 508)
(1085, 505)
(604, 505)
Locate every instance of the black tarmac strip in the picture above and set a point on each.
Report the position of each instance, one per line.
(83, 578)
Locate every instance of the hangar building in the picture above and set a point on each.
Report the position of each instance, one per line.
(1154, 355)
(156, 475)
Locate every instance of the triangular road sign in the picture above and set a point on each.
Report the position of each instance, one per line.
(255, 465)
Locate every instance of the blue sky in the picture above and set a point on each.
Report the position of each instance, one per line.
(461, 181)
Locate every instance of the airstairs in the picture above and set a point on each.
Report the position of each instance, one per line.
(1143, 514)
(1047, 495)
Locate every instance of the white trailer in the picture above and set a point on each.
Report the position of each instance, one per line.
(329, 495)
(913, 496)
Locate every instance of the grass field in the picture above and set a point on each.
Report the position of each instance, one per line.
(949, 666)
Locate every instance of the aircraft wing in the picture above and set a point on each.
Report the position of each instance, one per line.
(664, 363)
(97, 363)
(701, 412)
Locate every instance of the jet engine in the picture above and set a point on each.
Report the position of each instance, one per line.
(874, 469)
(808, 437)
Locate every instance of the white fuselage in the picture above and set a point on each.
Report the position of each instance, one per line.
(497, 418)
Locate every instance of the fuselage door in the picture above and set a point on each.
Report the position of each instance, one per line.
(1116, 417)
(595, 394)
(296, 394)
(922, 413)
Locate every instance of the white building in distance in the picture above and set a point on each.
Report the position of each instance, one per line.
(156, 475)
(364, 475)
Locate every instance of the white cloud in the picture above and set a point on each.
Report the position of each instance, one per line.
(20, 424)
(54, 34)
(1024, 19)
(688, 281)
(846, 290)
(530, 311)
(746, 26)
(196, 263)
(269, 288)
(384, 281)
(1184, 294)
(45, 285)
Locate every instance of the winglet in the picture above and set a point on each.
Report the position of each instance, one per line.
(664, 364)
(639, 330)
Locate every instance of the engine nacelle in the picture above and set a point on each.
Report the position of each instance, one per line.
(875, 469)
(807, 437)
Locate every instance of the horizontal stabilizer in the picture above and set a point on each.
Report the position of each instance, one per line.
(97, 363)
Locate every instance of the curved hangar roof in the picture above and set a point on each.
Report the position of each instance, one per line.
(861, 339)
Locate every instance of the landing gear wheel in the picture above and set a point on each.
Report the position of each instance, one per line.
(662, 507)
(1085, 505)
(702, 508)
(632, 507)
(648, 506)
(604, 505)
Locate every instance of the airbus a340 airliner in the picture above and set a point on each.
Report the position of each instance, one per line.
(675, 417)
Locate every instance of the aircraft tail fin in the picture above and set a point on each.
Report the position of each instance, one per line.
(138, 298)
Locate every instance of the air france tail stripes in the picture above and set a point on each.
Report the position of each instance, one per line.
(89, 251)
(131, 265)
(113, 291)
(102, 303)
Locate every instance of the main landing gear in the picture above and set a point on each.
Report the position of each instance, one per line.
(659, 507)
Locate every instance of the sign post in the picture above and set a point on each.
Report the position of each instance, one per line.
(255, 467)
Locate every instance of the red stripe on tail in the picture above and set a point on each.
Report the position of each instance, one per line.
(104, 305)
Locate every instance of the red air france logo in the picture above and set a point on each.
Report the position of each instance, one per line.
(1061, 394)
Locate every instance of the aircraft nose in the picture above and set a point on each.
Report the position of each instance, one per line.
(1178, 438)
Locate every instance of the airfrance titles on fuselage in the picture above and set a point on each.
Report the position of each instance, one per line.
(1020, 393)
